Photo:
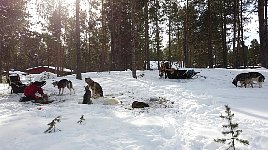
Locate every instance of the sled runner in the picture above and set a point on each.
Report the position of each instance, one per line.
(43, 102)
(40, 100)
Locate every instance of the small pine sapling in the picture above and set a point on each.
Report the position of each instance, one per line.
(81, 119)
(231, 130)
(52, 125)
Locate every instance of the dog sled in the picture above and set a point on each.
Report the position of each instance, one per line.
(16, 85)
(181, 74)
(171, 73)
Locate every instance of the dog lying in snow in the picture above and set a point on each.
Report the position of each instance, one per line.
(62, 84)
(248, 78)
(137, 104)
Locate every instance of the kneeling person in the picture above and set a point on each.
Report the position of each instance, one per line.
(31, 90)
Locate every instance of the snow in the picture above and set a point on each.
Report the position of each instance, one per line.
(51, 67)
(187, 119)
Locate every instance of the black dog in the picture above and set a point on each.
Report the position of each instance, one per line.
(241, 77)
(87, 96)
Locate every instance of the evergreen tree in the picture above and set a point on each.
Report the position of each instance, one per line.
(231, 130)
(52, 125)
(81, 119)
(78, 51)
(13, 21)
(254, 53)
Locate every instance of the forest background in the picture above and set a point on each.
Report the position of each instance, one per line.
(107, 35)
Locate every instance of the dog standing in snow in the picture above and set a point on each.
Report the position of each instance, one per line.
(248, 78)
(62, 84)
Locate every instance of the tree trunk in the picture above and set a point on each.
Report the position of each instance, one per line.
(169, 40)
(157, 37)
(147, 52)
(78, 52)
(224, 44)
(234, 36)
(262, 31)
(185, 43)
(266, 33)
(58, 43)
(157, 43)
(103, 40)
(210, 57)
(1, 59)
(133, 49)
(238, 53)
(242, 35)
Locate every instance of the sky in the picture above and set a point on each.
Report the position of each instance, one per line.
(253, 28)
(183, 114)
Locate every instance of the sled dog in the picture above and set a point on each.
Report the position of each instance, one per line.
(62, 84)
(248, 78)
(242, 77)
(137, 104)
(246, 82)
(258, 77)
(87, 96)
(95, 87)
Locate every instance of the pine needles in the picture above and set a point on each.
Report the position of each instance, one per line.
(231, 130)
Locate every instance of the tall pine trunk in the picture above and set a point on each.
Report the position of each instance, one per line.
(210, 57)
(235, 52)
(157, 36)
(133, 37)
(1, 59)
(78, 52)
(242, 35)
(147, 52)
(169, 40)
(224, 46)
(262, 31)
(185, 42)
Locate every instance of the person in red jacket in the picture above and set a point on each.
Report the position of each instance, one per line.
(31, 90)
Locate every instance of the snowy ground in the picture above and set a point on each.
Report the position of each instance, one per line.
(188, 118)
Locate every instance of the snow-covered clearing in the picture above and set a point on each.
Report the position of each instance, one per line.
(187, 119)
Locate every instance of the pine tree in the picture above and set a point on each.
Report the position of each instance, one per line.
(81, 119)
(52, 125)
(232, 129)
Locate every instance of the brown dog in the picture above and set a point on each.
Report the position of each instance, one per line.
(62, 84)
(95, 87)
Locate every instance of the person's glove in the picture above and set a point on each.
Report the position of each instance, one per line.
(45, 97)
